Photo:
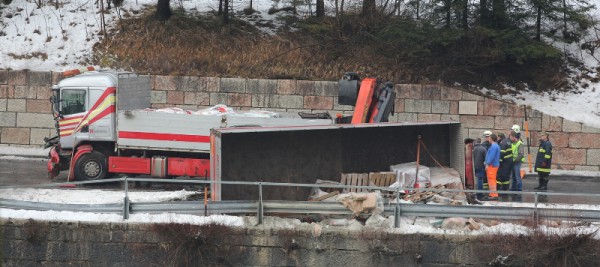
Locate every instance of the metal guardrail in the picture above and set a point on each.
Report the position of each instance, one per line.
(261, 207)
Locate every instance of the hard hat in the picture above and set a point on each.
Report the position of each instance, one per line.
(516, 128)
(487, 133)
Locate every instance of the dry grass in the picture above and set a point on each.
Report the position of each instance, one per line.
(544, 249)
(202, 46)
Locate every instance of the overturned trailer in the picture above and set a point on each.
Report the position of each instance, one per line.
(307, 153)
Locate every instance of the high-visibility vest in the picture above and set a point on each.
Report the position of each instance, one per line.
(515, 150)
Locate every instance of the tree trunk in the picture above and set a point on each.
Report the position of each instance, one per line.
(163, 10)
(448, 7)
(368, 8)
(483, 13)
(465, 15)
(320, 8)
(220, 12)
(226, 12)
(538, 24)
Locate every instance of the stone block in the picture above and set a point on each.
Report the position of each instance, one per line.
(493, 107)
(286, 87)
(39, 106)
(17, 105)
(239, 100)
(218, 98)
(515, 110)
(15, 136)
(187, 83)
(551, 123)
(17, 77)
(187, 107)
(431, 91)
(37, 136)
(572, 156)
(428, 117)
(417, 106)
(175, 97)
(3, 104)
(158, 97)
(35, 120)
(563, 167)
(471, 121)
(472, 97)
(305, 88)
(448, 93)
(56, 76)
(196, 98)
(338, 107)
(582, 140)
(593, 157)
(4, 91)
(589, 129)
(560, 140)
(160, 105)
(570, 126)
(438, 106)
(39, 78)
(505, 123)
(43, 92)
(318, 102)
(261, 86)
(3, 76)
(261, 100)
(399, 105)
(535, 124)
(446, 117)
(326, 88)
(454, 107)
(167, 83)
(233, 85)
(286, 101)
(476, 133)
(408, 91)
(405, 117)
(480, 105)
(8, 119)
(209, 84)
(28, 92)
(587, 168)
(467, 107)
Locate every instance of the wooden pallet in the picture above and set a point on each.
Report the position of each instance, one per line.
(382, 179)
(355, 179)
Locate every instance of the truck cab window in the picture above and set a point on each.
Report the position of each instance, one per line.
(72, 101)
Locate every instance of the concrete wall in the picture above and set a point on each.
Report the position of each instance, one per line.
(25, 111)
(37, 243)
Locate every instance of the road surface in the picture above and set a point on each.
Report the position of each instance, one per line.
(30, 172)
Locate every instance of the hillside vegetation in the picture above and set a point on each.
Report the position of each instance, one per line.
(397, 48)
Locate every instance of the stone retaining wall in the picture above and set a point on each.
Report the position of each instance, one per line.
(25, 111)
(35, 243)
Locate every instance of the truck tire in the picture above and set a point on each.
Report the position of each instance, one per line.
(91, 166)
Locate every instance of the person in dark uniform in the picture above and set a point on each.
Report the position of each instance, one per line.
(543, 161)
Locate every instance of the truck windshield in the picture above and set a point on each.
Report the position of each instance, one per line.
(72, 101)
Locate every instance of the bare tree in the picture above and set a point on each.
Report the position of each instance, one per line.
(163, 10)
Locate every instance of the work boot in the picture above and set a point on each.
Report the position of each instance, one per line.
(540, 181)
(544, 186)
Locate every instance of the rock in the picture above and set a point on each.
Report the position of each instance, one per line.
(454, 223)
(375, 221)
(473, 225)
(317, 230)
(440, 199)
(354, 225)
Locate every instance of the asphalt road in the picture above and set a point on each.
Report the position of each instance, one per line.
(29, 172)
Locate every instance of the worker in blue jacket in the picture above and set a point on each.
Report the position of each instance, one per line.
(543, 161)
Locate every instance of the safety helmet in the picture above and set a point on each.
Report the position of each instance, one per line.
(516, 128)
(487, 133)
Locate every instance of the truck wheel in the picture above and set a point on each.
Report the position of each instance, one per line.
(91, 166)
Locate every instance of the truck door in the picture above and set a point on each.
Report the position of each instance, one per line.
(73, 107)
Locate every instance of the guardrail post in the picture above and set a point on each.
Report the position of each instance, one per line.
(260, 204)
(126, 201)
(535, 211)
(397, 209)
